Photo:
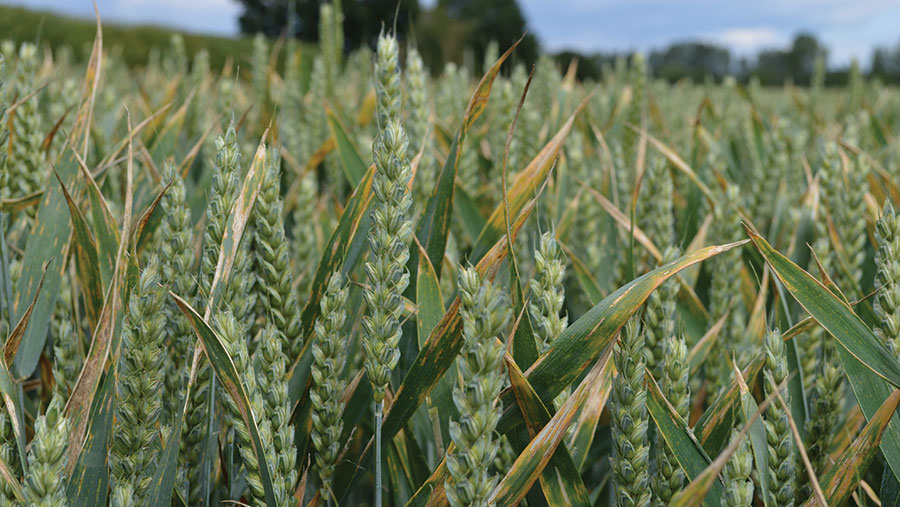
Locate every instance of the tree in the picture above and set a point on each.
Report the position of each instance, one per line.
(363, 20)
(886, 64)
(487, 20)
(800, 59)
(696, 60)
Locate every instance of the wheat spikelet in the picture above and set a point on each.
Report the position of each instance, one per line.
(630, 457)
(485, 317)
(45, 483)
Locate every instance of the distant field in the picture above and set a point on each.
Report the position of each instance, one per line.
(134, 41)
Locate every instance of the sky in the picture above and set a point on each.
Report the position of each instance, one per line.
(596, 25)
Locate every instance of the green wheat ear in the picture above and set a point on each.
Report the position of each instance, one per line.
(26, 160)
(273, 387)
(329, 355)
(887, 279)
(675, 385)
(45, 482)
(260, 64)
(630, 457)
(331, 40)
(388, 92)
(234, 338)
(391, 228)
(723, 298)
(637, 108)
(67, 358)
(139, 389)
(304, 232)
(823, 420)
(485, 316)
(547, 291)
(780, 440)
(660, 317)
(225, 185)
(418, 111)
(276, 300)
(174, 240)
(736, 474)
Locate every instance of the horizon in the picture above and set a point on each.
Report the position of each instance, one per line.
(587, 26)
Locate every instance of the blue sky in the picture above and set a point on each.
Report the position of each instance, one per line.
(745, 27)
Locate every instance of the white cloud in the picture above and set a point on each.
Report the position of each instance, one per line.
(748, 39)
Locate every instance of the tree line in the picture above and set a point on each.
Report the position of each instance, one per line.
(461, 30)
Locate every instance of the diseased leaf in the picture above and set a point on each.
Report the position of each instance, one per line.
(526, 184)
(843, 478)
(49, 239)
(869, 365)
(587, 338)
(86, 261)
(435, 223)
(681, 441)
(89, 482)
(544, 457)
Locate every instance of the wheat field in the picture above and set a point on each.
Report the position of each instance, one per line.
(349, 282)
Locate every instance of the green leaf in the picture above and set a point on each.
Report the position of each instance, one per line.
(411, 462)
(714, 427)
(843, 478)
(430, 310)
(468, 213)
(869, 366)
(890, 489)
(681, 441)
(429, 302)
(524, 348)
(230, 380)
(586, 280)
(759, 445)
(352, 163)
